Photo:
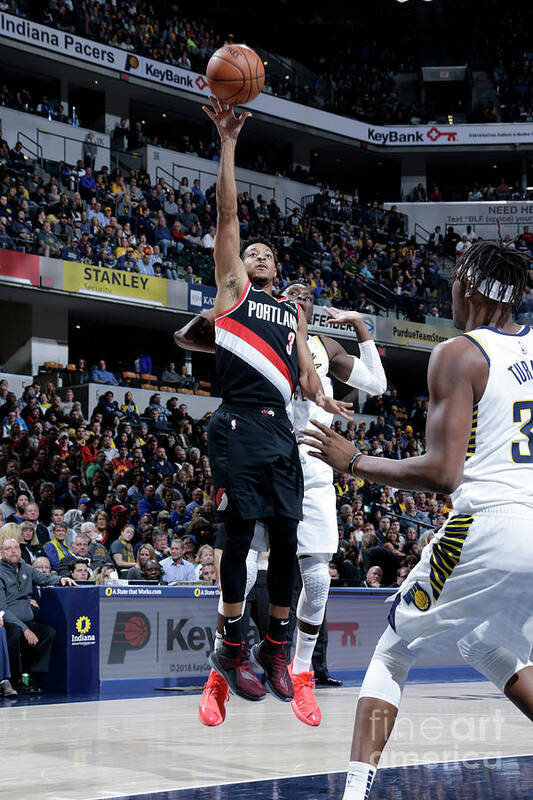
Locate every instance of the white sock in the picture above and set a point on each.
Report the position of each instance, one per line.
(358, 781)
(305, 644)
(219, 638)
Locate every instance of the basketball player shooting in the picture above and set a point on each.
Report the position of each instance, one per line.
(473, 582)
(261, 354)
(317, 532)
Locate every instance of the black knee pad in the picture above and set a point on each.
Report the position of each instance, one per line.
(233, 562)
(282, 535)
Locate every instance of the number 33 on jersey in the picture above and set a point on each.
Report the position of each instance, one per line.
(502, 425)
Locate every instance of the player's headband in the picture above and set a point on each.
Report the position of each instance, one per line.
(492, 289)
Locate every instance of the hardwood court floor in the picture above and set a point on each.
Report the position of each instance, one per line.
(103, 749)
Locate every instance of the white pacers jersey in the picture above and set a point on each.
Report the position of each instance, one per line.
(304, 409)
(499, 457)
(317, 533)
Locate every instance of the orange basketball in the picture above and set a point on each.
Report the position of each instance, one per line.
(235, 74)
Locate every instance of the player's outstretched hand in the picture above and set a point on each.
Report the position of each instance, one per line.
(329, 446)
(334, 406)
(228, 125)
(343, 317)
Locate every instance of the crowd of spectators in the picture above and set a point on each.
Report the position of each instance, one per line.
(118, 496)
(350, 62)
(454, 244)
(123, 494)
(134, 373)
(354, 255)
(21, 99)
(354, 81)
(504, 50)
(490, 190)
(356, 88)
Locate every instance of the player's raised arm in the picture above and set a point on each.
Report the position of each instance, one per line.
(198, 334)
(364, 373)
(230, 274)
(310, 383)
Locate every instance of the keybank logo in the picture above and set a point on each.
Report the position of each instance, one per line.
(132, 631)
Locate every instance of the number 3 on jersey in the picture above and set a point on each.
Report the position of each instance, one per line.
(520, 408)
(290, 342)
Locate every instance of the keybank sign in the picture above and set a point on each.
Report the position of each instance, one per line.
(62, 43)
(383, 136)
(150, 639)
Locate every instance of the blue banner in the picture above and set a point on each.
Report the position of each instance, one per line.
(158, 591)
(200, 298)
(74, 614)
(121, 636)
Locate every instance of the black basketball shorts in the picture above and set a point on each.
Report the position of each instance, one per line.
(255, 463)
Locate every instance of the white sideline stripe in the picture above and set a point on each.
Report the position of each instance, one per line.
(239, 347)
(106, 796)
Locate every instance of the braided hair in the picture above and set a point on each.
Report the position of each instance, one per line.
(489, 263)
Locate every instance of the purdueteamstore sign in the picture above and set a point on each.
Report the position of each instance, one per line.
(387, 330)
(415, 334)
(99, 281)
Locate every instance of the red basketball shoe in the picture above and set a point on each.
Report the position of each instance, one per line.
(277, 678)
(304, 704)
(212, 709)
(231, 662)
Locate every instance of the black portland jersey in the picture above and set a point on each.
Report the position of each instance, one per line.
(255, 349)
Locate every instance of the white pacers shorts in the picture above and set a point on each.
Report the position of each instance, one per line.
(260, 541)
(477, 569)
(317, 532)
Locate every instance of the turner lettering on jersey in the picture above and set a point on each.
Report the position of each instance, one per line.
(522, 371)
